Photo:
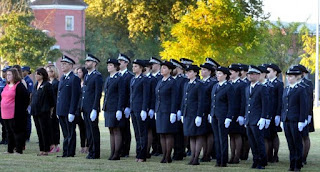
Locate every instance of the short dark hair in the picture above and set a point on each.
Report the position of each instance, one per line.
(84, 70)
(15, 74)
(43, 72)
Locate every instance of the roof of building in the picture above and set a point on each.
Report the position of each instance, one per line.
(59, 2)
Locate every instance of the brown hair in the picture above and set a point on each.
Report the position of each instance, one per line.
(15, 74)
(19, 70)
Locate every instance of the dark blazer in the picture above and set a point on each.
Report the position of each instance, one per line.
(278, 91)
(21, 100)
(270, 100)
(153, 83)
(309, 91)
(158, 76)
(68, 95)
(222, 101)
(166, 96)
(192, 100)
(55, 86)
(42, 99)
(294, 104)
(139, 93)
(127, 76)
(91, 92)
(113, 94)
(239, 98)
(208, 84)
(256, 104)
(180, 81)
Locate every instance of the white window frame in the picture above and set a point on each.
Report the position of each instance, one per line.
(72, 23)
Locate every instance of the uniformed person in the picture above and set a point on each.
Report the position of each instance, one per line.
(165, 110)
(222, 112)
(194, 124)
(113, 105)
(179, 143)
(124, 61)
(274, 72)
(155, 69)
(294, 106)
(255, 117)
(26, 71)
(237, 129)
(67, 103)
(139, 98)
(244, 71)
(207, 73)
(90, 105)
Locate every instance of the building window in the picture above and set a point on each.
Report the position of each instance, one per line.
(70, 23)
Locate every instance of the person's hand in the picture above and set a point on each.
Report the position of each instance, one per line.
(300, 126)
(209, 118)
(179, 114)
(240, 120)
(119, 115)
(173, 118)
(261, 123)
(198, 121)
(227, 122)
(151, 113)
(143, 115)
(70, 117)
(309, 119)
(268, 121)
(93, 115)
(127, 112)
(182, 119)
(277, 120)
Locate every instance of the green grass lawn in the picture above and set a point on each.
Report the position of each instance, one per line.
(30, 162)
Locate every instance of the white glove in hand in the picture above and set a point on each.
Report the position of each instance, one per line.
(198, 121)
(119, 115)
(281, 125)
(209, 118)
(305, 123)
(179, 114)
(309, 119)
(127, 112)
(268, 121)
(240, 120)
(261, 123)
(173, 118)
(93, 115)
(277, 120)
(151, 113)
(182, 119)
(300, 126)
(70, 117)
(143, 115)
(227, 122)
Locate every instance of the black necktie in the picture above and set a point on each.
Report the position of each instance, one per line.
(251, 88)
(289, 89)
(133, 80)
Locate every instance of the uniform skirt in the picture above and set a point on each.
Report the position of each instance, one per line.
(208, 125)
(305, 131)
(190, 128)
(111, 120)
(163, 124)
(235, 128)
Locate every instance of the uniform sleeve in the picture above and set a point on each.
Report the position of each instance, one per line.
(303, 102)
(50, 95)
(200, 100)
(153, 83)
(146, 94)
(264, 101)
(121, 94)
(173, 97)
(243, 100)
(98, 92)
(231, 99)
(75, 95)
(279, 98)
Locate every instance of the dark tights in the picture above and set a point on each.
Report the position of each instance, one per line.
(115, 143)
(150, 138)
(167, 143)
(196, 144)
(235, 146)
(207, 148)
(306, 147)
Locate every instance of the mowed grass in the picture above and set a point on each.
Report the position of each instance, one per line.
(30, 162)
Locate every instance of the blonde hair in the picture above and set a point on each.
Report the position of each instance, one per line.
(54, 69)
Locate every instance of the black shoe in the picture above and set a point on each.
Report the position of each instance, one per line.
(148, 156)
(205, 159)
(189, 153)
(291, 169)
(177, 158)
(62, 156)
(115, 158)
(254, 165)
(275, 159)
(195, 162)
(297, 169)
(3, 142)
(217, 165)
(156, 154)
(223, 165)
(260, 167)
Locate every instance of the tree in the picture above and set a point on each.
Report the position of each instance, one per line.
(23, 44)
(309, 55)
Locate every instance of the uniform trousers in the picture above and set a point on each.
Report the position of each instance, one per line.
(69, 135)
(256, 141)
(294, 139)
(141, 135)
(93, 135)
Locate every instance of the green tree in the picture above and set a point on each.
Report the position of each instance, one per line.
(309, 55)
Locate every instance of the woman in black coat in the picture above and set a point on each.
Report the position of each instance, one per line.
(15, 117)
(112, 106)
(166, 110)
(194, 124)
(42, 103)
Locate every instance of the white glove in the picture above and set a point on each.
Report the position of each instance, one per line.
(127, 112)
(182, 119)
(268, 121)
(198, 121)
(173, 118)
(300, 126)
(261, 123)
(281, 125)
(119, 115)
(305, 123)
(155, 116)
(209, 118)
(93, 115)
(277, 120)
(143, 115)
(309, 119)
(70, 117)
(179, 114)
(240, 119)
(227, 122)
(151, 113)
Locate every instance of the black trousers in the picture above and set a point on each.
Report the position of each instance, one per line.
(141, 135)
(294, 139)
(41, 122)
(69, 135)
(54, 129)
(82, 128)
(16, 135)
(179, 147)
(221, 140)
(256, 141)
(126, 137)
(3, 129)
(93, 135)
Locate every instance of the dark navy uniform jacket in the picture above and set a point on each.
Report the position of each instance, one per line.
(91, 92)
(192, 100)
(158, 76)
(127, 76)
(180, 81)
(139, 93)
(153, 83)
(222, 100)
(68, 95)
(208, 84)
(239, 97)
(256, 104)
(113, 94)
(294, 104)
(277, 93)
(309, 91)
(29, 83)
(271, 100)
(166, 96)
